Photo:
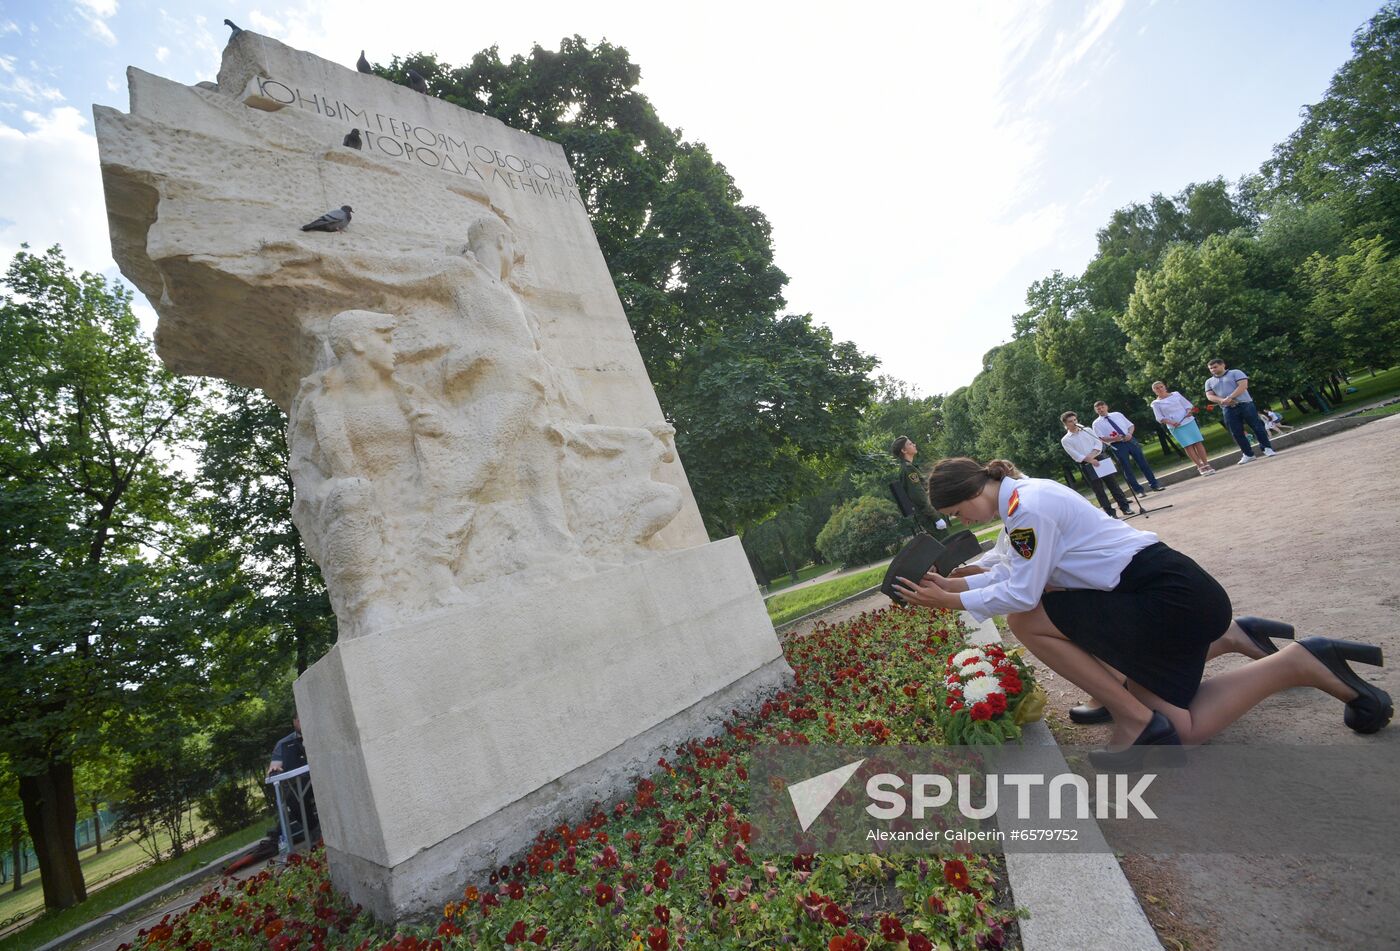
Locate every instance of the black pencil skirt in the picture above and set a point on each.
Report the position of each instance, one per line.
(1155, 627)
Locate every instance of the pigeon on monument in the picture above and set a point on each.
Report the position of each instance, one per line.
(331, 221)
(363, 64)
(417, 82)
(353, 139)
(234, 28)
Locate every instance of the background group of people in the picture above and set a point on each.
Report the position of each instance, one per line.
(1226, 388)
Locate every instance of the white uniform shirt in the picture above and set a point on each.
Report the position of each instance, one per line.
(1057, 538)
(1172, 409)
(1104, 430)
(1080, 443)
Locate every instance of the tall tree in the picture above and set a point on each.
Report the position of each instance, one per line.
(1355, 299)
(279, 614)
(694, 268)
(1221, 299)
(87, 421)
(1347, 150)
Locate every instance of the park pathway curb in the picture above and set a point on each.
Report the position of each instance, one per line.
(1076, 900)
(118, 915)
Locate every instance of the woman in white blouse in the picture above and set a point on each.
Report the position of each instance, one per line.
(1086, 593)
(1174, 412)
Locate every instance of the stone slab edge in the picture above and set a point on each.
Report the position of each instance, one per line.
(1080, 901)
(119, 914)
(407, 892)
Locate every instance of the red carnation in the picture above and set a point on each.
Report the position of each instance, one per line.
(997, 701)
(981, 711)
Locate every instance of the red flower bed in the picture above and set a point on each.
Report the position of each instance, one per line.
(670, 867)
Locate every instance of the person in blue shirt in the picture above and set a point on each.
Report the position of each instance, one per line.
(1229, 389)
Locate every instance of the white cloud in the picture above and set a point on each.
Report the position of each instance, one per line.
(97, 13)
(55, 189)
(9, 26)
(31, 91)
(162, 53)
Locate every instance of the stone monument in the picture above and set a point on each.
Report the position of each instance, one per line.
(530, 611)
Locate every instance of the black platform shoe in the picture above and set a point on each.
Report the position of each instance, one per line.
(1086, 715)
(1372, 708)
(1260, 629)
(1159, 732)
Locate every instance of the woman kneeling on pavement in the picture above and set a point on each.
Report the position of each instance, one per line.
(1097, 601)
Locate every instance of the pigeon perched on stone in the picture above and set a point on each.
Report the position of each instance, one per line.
(363, 65)
(353, 140)
(331, 220)
(234, 28)
(417, 82)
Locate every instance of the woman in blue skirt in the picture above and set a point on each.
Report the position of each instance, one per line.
(1174, 412)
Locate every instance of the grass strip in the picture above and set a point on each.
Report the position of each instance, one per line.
(51, 925)
(794, 604)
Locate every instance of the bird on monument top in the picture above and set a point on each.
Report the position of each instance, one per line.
(353, 139)
(331, 221)
(417, 82)
(234, 28)
(363, 64)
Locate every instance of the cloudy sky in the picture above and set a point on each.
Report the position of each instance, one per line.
(921, 164)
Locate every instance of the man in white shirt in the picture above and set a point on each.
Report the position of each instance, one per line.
(1117, 430)
(1084, 448)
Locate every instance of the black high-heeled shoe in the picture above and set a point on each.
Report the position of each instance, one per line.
(1372, 708)
(1159, 732)
(1260, 629)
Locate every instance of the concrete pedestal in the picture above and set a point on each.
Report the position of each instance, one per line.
(445, 745)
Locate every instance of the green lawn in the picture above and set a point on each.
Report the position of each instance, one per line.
(1380, 411)
(811, 571)
(50, 926)
(794, 604)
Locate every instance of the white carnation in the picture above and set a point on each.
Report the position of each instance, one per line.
(962, 657)
(979, 689)
(979, 669)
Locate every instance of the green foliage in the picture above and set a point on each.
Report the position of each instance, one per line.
(162, 783)
(862, 531)
(1347, 150)
(1214, 300)
(93, 631)
(277, 614)
(765, 407)
(1357, 297)
(227, 807)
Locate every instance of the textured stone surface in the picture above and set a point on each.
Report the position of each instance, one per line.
(527, 600)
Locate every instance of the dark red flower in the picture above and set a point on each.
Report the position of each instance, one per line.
(833, 915)
(516, 934)
(955, 874)
(662, 913)
(603, 894)
(918, 942)
(891, 930)
(997, 701)
(516, 890)
(981, 711)
(541, 933)
(658, 939)
(850, 941)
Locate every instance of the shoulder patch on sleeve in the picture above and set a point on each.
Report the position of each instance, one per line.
(1023, 540)
(1013, 503)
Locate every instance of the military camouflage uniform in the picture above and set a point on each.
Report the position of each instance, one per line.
(916, 486)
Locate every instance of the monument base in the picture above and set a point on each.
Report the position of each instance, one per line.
(441, 748)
